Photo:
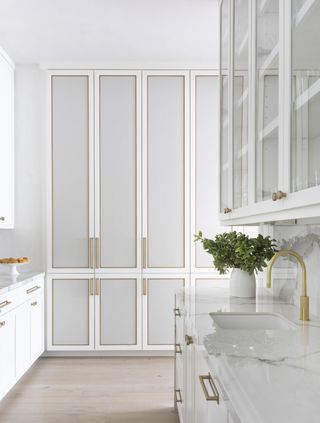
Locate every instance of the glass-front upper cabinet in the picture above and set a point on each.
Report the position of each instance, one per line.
(267, 99)
(305, 122)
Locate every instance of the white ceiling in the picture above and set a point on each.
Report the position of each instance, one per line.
(35, 31)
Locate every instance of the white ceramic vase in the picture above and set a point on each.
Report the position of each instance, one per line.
(242, 284)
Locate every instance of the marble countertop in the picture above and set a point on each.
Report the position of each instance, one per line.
(8, 283)
(270, 376)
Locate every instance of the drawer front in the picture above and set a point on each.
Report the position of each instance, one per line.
(9, 301)
(33, 288)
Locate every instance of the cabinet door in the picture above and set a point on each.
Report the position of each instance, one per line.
(7, 352)
(205, 162)
(6, 143)
(165, 167)
(118, 314)
(23, 344)
(158, 312)
(267, 136)
(117, 161)
(305, 107)
(72, 177)
(70, 313)
(36, 310)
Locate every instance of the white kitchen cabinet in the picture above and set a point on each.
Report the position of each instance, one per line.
(36, 313)
(158, 305)
(7, 352)
(165, 171)
(269, 108)
(23, 338)
(6, 141)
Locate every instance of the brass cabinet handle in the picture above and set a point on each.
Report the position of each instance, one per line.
(144, 252)
(278, 195)
(98, 253)
(178, 396)
(215, 396)
(98, 287)
(2, 218)
(91, 292)
(188, 339)
(3, 323)
(227, 210)
(145, 286)
(34, 288)
(4, 304)
(177, 312)
(178, 349)
(34, 303)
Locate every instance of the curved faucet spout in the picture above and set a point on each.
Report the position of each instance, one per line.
(304, 299)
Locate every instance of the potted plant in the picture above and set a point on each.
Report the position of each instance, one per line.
(244, 255)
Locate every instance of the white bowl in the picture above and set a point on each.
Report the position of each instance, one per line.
(10, 269)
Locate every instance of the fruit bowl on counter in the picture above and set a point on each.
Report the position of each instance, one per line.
(9, 266)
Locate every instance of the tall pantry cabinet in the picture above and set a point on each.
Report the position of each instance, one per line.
(118, 207)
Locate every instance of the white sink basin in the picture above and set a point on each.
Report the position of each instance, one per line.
(252, 321)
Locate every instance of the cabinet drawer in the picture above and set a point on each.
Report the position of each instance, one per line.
(9, 301)
(33, 288)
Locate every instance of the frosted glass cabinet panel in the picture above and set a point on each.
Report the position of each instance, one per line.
(70, 171)
(117, 176)
(224, 107)
(160, 305)
(240, 104)
(305, 144)
(165, 184)
(71, 312)
(267, 143)
(117, 312)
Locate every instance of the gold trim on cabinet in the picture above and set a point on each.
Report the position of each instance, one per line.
(2, 324)
(98, 253)
(5, 304)
(215, 396)
(145, 286)
(144, 252)
(178, 396)
(98, 287)
(91, 253)
(91, 291)
(34, 288)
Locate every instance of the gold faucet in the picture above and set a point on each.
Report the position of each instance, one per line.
(304, 299)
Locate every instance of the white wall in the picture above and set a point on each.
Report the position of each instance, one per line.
(26, 239)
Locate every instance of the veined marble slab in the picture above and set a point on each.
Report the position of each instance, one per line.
(270, 376)
(8, 283)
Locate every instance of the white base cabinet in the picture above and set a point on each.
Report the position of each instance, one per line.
(21, 331)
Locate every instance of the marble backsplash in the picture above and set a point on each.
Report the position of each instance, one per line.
(304, 239)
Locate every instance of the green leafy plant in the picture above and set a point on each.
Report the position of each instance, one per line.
(237, 250)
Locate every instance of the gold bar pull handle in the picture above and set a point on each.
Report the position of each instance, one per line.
(145, 286)
(215, 396)
(98, 287)
(144, 252)
(91, 292)
(98, 253)
(91, 253)
(178, 396)
(34, 288)
(5, 303)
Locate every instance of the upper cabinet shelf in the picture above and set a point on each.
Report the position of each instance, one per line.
(269, 108)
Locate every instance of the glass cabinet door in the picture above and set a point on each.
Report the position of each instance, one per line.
(267, 62)
(305, 124)
(240, 104)
(224, 115)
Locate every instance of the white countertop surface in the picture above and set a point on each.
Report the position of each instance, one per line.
(270, 376)
(8, 283)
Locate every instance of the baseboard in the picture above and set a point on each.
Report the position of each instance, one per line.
(108, 354)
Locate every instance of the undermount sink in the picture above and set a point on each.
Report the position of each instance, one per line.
(252, 321)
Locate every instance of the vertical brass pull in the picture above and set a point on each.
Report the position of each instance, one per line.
(91, 287)
(2, 324)
(91, 253)
(178, 396)
(145, 286)
(215, 396)
(98, 253)
(144, 252)
(177, 312)
(98, 287)
(178, 349)
(188, 339)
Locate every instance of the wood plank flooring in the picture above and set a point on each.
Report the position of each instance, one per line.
(93, 390)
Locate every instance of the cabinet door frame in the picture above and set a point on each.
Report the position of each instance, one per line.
(49, 167)
(145, 305)
(49, 341)
(186, 76)
(117, 347)
(138, 158)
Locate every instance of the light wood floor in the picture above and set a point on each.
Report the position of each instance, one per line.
(93, 390)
